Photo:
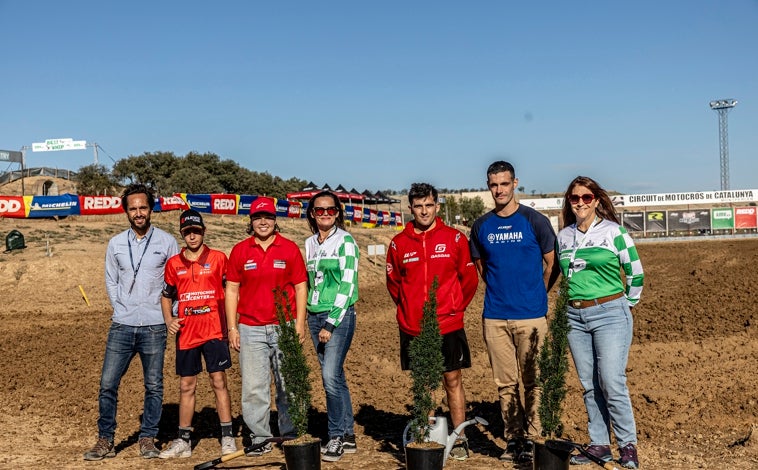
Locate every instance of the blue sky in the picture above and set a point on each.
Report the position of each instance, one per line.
(377, 95)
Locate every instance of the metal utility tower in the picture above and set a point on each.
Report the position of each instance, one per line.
(722, 107)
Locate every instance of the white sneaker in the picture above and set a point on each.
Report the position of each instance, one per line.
(177, 448)
(228, 446)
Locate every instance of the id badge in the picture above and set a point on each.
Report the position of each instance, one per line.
(314, 297)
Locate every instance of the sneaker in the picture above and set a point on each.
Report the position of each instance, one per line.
(177, 448)
(264, 449)
(348, 444)
(147, 448)
(629, 456)
(527, 451)
(512, 451)
(334, 450)
(601, 452)
(460, 449)
(103, 448)
(228, 446)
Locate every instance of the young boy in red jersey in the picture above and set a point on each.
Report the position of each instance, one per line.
(195, 278)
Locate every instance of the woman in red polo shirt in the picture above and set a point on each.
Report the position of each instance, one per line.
(257, 266)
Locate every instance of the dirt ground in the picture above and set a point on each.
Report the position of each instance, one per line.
(692, 368)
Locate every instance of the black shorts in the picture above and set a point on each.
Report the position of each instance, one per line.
(216, 355)
(455, 350)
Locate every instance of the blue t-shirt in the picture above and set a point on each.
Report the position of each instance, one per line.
(511, 250)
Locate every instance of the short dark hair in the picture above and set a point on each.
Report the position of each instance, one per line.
(420, 191)
(501, 166)
(137, 188)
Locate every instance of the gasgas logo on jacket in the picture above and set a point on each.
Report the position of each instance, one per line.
(440, 251)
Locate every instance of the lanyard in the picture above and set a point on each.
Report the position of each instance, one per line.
(139, 263)
(580, 244)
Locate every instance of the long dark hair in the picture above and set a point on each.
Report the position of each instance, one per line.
(605, 209)
(340, 222)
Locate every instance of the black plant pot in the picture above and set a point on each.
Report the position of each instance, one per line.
(548, 458)
(302, 456)
(424, 458)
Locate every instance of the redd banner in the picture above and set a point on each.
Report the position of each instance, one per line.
(385, 218)
(357, 214)
(171, 203)
(99, 205)
(294, 209)
(12, 206)
(398, 218)
(745, 217)
(224, 203)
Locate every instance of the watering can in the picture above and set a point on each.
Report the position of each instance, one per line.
(438, 432)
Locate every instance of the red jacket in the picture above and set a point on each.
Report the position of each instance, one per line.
(414, 259)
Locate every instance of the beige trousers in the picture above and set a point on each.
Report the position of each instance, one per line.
(513, 347)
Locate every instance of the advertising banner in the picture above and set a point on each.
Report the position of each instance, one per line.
(633, 221)
(99, 205)
(348, 213)
(199, 202)
(385, 218)
(13, 207)
(171, 203)
(357, 214)
(722, 218)
(745, 217)
(655, 222)
(294, 209)
(282, 207)
(54, 206)
(689, 222)
(379, 218)
(224, 203)
(398, 219)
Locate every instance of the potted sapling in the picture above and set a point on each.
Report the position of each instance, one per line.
(303, 452)
(427, 367)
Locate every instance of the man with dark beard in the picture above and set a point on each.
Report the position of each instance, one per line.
(134, 264)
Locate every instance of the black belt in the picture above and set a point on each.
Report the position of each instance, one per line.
(593, 302)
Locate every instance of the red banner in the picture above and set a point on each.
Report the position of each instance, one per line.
(385, 218)
(12, 206)
(745, 217)
(99, 205)
(173, 203)
(224, 203)
(294, 210)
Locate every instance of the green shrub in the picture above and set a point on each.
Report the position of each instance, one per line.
(427, 367)
(294, 368)
(553, 366)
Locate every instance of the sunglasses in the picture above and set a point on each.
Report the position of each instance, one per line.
(325, 210)
(586, 198)
(196, 231)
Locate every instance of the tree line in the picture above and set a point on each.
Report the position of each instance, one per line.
(207, 173)
(194, 173)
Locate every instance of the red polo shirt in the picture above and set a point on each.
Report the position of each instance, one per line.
(259, 272)
(200, 291)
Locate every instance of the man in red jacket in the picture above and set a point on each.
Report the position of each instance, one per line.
(425, 249)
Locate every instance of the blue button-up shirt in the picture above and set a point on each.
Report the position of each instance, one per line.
(136, 300)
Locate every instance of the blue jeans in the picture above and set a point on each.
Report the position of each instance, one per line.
(125, 342)
(259, 357)
(599, 339)
(331, 356)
